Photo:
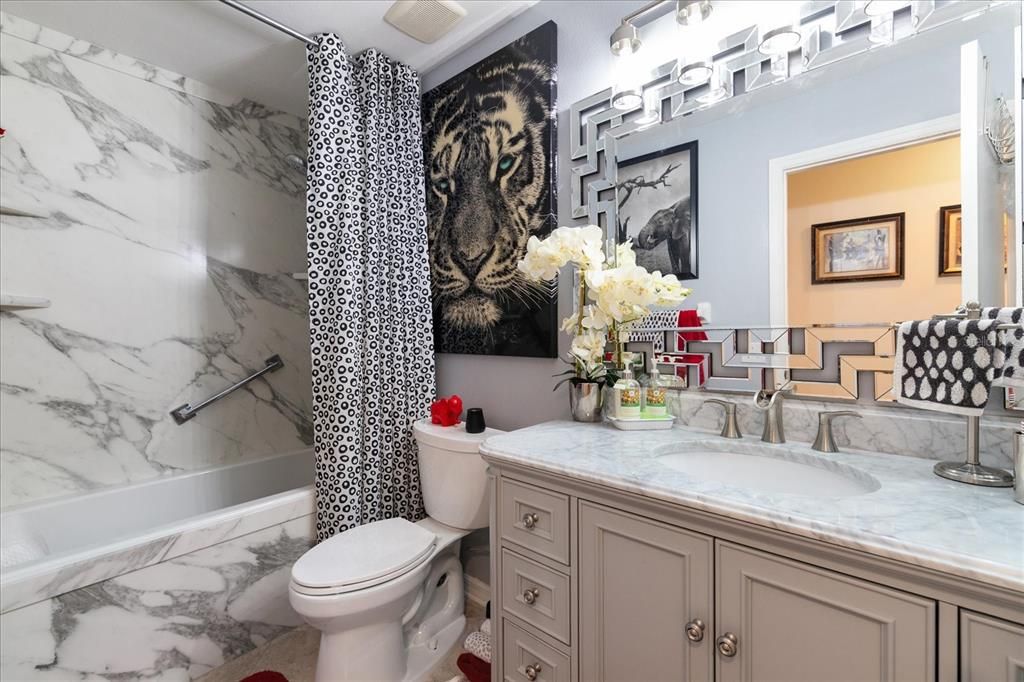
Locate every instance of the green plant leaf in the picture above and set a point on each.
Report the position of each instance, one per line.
(561, 382)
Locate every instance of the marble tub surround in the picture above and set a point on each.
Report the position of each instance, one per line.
(913, 516)
(70, 570)
(890, 429)
(174, 620)
(168, 225)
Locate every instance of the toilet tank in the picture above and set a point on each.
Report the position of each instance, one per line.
(453, 476)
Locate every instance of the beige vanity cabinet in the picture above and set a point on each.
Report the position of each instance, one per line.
(991, 649)
(645, 599)
(595, 584)
(786, 621)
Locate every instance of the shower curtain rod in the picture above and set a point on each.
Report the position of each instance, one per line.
(259, 16)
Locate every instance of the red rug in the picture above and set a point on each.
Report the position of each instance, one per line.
(473, 668)
(266, 676)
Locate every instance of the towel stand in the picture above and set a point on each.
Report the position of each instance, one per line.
(971, 470)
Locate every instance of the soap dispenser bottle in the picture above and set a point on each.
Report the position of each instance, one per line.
(655, 394)
(627, 395)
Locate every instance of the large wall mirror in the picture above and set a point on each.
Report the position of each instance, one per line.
(856, 179)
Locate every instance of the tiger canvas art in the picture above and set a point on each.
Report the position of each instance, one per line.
(489, 155)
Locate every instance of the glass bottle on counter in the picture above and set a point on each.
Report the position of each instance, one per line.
(655, 394)
(627, 395)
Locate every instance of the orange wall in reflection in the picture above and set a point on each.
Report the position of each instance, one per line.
(915, 180)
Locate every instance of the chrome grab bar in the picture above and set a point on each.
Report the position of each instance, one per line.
(185, 412)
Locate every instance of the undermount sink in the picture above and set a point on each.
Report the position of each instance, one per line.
(771, 474)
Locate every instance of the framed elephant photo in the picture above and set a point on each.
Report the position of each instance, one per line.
(656, 195)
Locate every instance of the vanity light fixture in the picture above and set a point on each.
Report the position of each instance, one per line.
(719, 88)
(625, 39)
(626, 98)
(777, 41)
(878, 8)
(692, 12)
(652, 108)
(695, 73)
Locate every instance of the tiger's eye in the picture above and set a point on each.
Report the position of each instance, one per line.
(505, 162)
(442, 184)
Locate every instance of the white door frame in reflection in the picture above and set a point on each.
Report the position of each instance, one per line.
(779, 168)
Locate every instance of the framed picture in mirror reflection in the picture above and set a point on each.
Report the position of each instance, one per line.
(858, 250)
(656, 196)
(950, 241)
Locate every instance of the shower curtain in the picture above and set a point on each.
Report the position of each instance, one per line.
(371, 336)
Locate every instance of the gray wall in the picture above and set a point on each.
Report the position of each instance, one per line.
(734, 149)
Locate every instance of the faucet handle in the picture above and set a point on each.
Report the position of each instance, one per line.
(824, 441)
(731, 428)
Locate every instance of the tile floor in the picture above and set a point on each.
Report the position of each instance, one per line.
(294, 655)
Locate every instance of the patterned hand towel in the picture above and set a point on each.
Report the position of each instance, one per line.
(946, 365)
(1011, 346)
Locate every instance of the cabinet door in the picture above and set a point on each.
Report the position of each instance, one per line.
(991, 650)
(795, 623)
(640, 583)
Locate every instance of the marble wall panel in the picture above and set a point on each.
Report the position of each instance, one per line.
(164, 227)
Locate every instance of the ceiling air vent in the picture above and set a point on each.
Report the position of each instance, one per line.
(425, 20)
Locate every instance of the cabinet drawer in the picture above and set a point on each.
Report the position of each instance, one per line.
(525, 658)
(536, 594)
(536, 519)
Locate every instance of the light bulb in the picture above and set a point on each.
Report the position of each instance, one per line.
(782, 40)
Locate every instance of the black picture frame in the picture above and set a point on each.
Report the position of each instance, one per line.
(946, 268)
(681, 244)
(821, 231)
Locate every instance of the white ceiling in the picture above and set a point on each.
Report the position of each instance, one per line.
(234, 53)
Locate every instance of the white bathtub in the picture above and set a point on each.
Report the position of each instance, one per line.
(54, 547)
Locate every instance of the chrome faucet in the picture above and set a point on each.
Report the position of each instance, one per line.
(824, 442)
(731, 428)
(770, 402)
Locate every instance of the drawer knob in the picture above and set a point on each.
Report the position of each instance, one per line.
(695, 630)
(727, 645)
(529, 520)
(530, 595)
(532, 671)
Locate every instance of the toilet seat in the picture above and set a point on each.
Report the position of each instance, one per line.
(362, 557)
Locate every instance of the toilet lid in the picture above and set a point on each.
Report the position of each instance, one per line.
(451, 438)
(364, 556)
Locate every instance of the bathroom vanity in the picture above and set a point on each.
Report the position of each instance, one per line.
(677, 555)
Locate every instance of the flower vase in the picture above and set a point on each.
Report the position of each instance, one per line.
(586, 400)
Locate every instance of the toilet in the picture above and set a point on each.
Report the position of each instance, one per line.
(388, 596)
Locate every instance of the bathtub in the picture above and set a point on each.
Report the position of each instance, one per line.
(191, 569)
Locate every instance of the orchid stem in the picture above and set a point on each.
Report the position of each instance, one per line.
(579, 317)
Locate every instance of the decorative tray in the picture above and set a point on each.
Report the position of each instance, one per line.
(643, 423)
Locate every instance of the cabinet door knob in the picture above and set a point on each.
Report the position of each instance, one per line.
(695, 630)
(532, 671)
(529, 520)
(727, 645)
(530, 595)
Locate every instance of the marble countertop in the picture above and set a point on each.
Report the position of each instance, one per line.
(911, 515)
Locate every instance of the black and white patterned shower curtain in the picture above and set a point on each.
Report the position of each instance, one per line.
(369, 285)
